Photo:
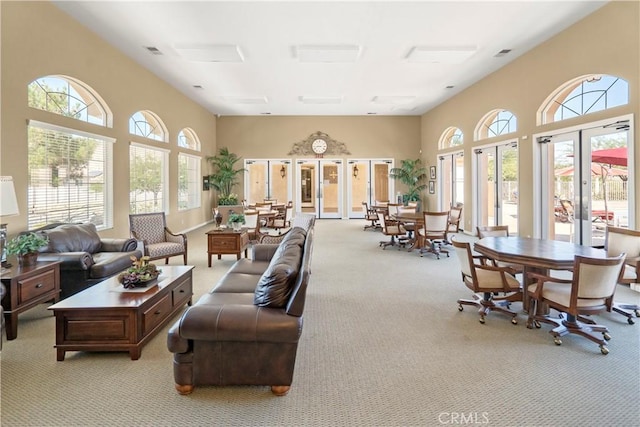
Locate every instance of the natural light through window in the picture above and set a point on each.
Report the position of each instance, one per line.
(147, 179)
(495, 123)
(148, 125)
(188, 181)
(452, 137)
(187, 138)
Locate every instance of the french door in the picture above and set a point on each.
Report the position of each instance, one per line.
(497, 186)
(267, 179)
(451, 187)
(319, 187)
(367, 181)
(586, 182)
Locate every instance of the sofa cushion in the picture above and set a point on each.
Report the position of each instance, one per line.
(274, 286)
(73, 238)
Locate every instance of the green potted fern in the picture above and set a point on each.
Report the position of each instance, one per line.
(25, 247)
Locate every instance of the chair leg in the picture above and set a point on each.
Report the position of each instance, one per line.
(485, 305)
(566, 324)
(622, 309)
(185, 257)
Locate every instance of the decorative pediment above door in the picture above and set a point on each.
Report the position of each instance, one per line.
(317, 144)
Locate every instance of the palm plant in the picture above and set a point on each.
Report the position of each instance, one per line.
(412, 174)
(225, 175)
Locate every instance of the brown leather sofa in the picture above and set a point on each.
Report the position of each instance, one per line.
(246, 330)
(86, 257)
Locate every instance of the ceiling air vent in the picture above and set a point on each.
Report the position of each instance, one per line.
(503, 52)
(153, 50)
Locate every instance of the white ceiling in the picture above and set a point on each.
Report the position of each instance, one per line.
(271, 79)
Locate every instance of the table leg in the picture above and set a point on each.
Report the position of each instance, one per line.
(60, 354)
(238, 255)
(209, 256)
(543, 309)
(11, 324)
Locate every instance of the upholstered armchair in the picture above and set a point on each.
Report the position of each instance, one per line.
(622, 240)
(158, 241)
(589, 291)
(485, 281)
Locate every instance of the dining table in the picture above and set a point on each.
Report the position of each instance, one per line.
(535, 255)
(417, 219)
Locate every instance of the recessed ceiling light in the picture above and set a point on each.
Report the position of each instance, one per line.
(209, 52)
(327, 53)
(320, 99)
(246, 99)
(440, 54)
(393, 99)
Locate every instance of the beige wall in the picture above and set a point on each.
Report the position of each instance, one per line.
(38, 40)
(364, 136)
(606, 42)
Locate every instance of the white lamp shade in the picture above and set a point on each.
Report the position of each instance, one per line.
(8, 201)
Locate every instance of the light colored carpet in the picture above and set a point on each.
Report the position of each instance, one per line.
(383, 345)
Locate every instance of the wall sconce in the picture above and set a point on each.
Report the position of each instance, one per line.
(283, 171)
(8, 207)
(355, 171)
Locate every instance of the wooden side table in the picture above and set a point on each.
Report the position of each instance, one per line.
(26, 288)
(223, 242)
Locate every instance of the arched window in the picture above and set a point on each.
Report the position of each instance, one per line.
(584, 95)
(451, 137)
(495, 123)
(69, 97)
(148, 125)
(187, 138)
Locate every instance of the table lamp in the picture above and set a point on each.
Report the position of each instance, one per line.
(8, 207)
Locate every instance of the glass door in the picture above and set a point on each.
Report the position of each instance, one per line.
(497, 182)
(367, 181)
(587, 183)
(451, 189)
(319, 187)
(268, 180)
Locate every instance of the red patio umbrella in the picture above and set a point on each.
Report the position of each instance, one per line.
(596, 169)
(610, 156)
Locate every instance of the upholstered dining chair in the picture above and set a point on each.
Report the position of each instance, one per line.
(498, 231)
(485, 280)
(434, 232)
(393, 228)
(622, 240)
(589, 291)
(252, 225)
(158, 241)
(453, 224)
(284, 220)
(370, 215)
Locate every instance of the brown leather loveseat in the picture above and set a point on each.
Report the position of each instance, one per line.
(246, 330)
(86, 257)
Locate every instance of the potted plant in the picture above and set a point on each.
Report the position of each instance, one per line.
(225, 176)
(26, 246)
(412, 174)
(236, 220)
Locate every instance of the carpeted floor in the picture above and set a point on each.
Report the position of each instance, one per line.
(383, 345)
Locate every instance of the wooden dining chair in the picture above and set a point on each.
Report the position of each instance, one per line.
(498, 231)
(589, 291)
(486, 280)
(434, 233)
(622, 240)
(453, 224)
(252, 225)
(370, 215)
(393, 228)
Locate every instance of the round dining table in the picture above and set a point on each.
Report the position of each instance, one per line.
(535, 255)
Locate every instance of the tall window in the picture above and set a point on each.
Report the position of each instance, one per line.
(69, 176)
(584, 95)
(147, 179)
(452, 137)
(187, 138)
(495, 123)
(148, 125)
(70, 98)
(188, 181)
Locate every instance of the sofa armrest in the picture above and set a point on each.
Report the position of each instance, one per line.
(118, 245)
(175, 237)
(236, 322)
(80, 261)
(263, 252)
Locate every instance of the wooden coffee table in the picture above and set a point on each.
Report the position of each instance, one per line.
(227, 241)
(107, 317)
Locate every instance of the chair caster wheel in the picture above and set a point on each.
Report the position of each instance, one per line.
(630, 321)
(537, 324)
(604, 350)
(606, 336)
(557, 341)
(637, 313)
(514, 321)
(481, 320)
(460, 307)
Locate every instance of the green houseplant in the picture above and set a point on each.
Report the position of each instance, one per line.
(225, 175)
(26, 246)
(236, 220)
(413, 175)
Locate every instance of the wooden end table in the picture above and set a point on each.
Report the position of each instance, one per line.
(227, 242)
(26, 288)
(107, 317)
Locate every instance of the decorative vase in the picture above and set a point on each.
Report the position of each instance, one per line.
(236, 226)
(218, 218)
(28, 260)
